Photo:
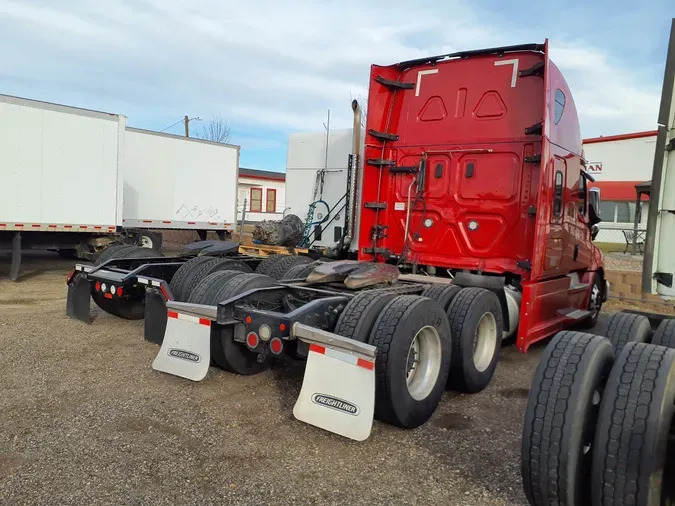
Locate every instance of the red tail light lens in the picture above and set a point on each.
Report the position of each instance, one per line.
(98, 286)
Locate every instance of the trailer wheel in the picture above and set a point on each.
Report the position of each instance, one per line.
(442, 293)
(178, 281)
(665, 333)
(204, 269)
(560, 419)
(412, 337)
(225, 351)
(623, 328)
(282, 265)
(113, 251)
(476, 321)
(151, 240)
(358, 317)
(266, 265)
(633, 451)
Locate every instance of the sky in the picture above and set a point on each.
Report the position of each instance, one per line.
(271, 68)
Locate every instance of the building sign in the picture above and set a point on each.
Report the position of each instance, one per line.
(594, 167)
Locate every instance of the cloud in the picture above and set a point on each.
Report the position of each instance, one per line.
(280, 65)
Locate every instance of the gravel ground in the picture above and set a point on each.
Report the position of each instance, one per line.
(621, 262)
(85, 420)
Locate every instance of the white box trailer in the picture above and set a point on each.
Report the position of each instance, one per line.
(61, 175)
(174, 182)
(307, 156)
(73, 179)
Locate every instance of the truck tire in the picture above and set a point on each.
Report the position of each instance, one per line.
(201, 271)
(140, 252)
(413, 342)
(442, 293)
(226, 353)
(358, 317)
(282, 265)
(632, 456)
(151, 240)
(476, 322)
(111, 252)
(178, 280)
(562, 411)
(623, 328)
(266, 265)
(665, 333)
(295, 272)
(209, 287)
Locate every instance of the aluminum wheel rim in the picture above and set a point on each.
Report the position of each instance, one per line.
(424, 363)
(146, 242)
(595, 301)
(484, 342)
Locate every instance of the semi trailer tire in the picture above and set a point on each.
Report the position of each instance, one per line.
(632, 457)
(279, 269)
(560, 419)
(209, 287)
(442, 293)
(358, 317)
(228, 354)
(202, 270)
(151, 240)
(266, 265)
(413, 342)
(178, 281)
(623, 328)
(665, 333)
(476, 322)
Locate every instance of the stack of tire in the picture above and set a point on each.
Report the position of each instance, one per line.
(128, 308)
(599, 422)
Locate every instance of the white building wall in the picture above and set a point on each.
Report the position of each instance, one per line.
(244, 196)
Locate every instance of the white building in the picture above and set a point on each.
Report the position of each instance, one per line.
(262, 193)
(618, 163)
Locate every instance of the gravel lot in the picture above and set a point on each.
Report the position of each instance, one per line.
(85, 420)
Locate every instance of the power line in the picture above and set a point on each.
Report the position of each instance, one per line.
(170, 126)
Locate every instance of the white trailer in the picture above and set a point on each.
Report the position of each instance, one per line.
(174, 182)
(61, 175)
(317, 171)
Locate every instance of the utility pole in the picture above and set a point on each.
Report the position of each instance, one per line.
(187, 129)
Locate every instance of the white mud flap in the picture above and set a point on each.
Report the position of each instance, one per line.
(186, 348)
(338, 389)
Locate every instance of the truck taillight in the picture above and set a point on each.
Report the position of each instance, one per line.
(119, 291)
(98, 286)
(276, 346)
(252, 340)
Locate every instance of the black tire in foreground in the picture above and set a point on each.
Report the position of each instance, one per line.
(665, 333)
(623, 328)
(111, 252)
(560, 418)
(477, 325)
(228, 354)
(358, 317)
(282, 265)
(266, 265)
(632, 456)
(442, 293)
(202, 270)
(178, 281)
(413, 342)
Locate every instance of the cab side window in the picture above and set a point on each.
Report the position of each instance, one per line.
(559, 105)
(558, 194)
(583, 195)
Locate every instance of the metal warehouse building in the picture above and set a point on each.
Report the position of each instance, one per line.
(619, 163)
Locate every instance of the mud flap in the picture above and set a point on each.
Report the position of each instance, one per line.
(154, 326)
(338, 389)
(78, 298)
(186, 346)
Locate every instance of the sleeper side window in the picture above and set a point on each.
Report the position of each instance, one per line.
(558, 194)
(559, 105)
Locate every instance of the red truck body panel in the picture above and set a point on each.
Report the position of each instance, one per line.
(473, 181)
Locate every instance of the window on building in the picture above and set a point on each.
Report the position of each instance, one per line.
(271, 206)
(617, 212)
(559, 105)
(256, 200)
(558, 194)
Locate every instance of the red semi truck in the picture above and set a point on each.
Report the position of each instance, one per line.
(468, 221)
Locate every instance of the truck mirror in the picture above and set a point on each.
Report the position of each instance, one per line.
(594, 206)
(595, 230)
